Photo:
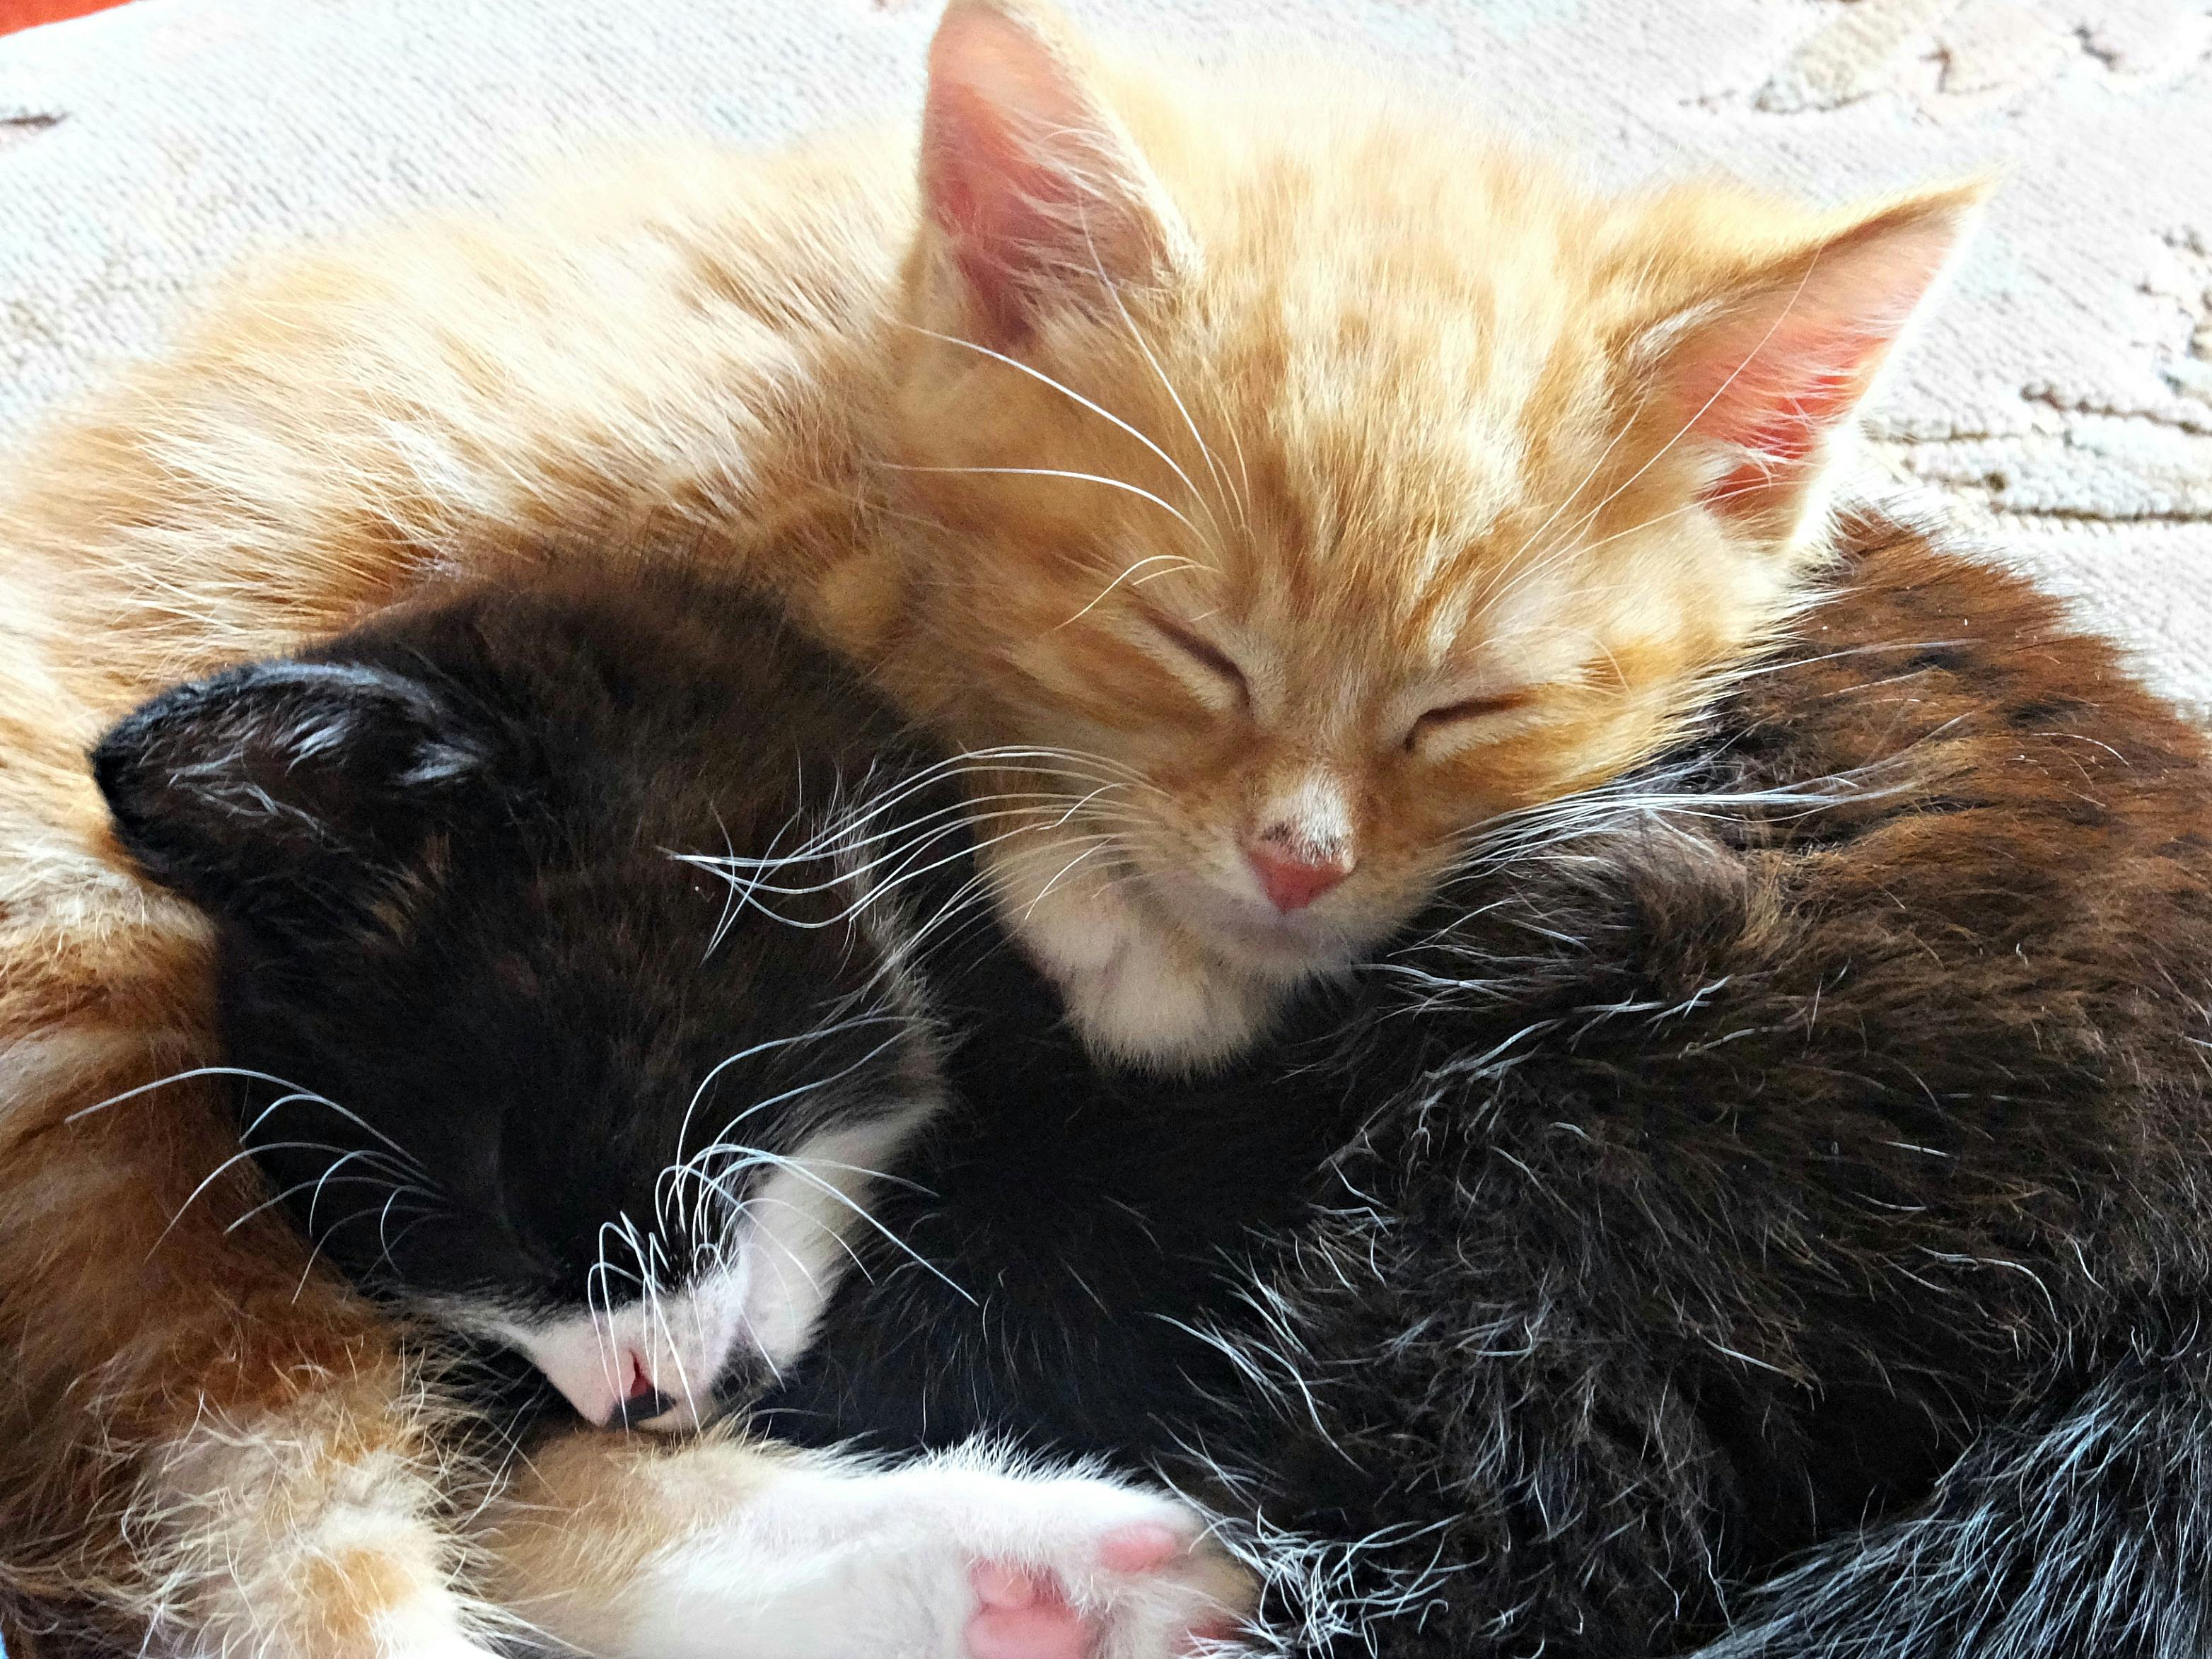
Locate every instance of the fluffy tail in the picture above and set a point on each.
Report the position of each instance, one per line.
(2084, 1533)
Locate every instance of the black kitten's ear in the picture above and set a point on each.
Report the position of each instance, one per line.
(289, 794)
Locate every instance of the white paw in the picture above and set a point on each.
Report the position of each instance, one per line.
(951, 1559)
(1072, 1568)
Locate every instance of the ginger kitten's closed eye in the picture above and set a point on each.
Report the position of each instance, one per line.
(1338, 500)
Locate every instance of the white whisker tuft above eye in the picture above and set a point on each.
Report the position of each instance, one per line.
(1220, 671)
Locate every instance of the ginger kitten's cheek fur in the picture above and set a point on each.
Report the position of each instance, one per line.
(1337, 498)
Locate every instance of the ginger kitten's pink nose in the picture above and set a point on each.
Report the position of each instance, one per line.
(1293, 877)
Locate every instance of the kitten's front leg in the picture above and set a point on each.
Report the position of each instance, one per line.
(631, 1548)
(313, 1529)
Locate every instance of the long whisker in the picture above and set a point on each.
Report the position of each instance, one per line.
(695, 1168)
(1525, 563)
(1176, 560)
(1114, 289)
(817, 1035)
(1058, 472)
(655, 1306)
(1102, 413)
(1681, 432)
(325, 1179)
(601, 1273)
(220, 1170)
(842, 835)
(1052, 811)
(1100, 843)
(843, 831)
(252, 1076)
(1024, 758)
(730, 905)
(831, 1189)
(877, 893)
(1749, 357)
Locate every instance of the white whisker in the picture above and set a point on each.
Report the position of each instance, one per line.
(1059, 473)
(1102, 413)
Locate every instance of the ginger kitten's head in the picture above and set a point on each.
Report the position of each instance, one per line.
(1341, 480)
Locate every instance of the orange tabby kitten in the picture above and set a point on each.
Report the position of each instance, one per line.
(1276, 485)
(1341, 482)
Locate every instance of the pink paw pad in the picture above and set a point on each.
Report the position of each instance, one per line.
(1144, 1547)
(1021, 1616)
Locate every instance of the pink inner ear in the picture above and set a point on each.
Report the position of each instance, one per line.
(1020, 167)
(1781, 402)
(1789, 362)
(990, 189)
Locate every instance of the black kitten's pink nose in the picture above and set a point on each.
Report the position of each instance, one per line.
(641, 1407)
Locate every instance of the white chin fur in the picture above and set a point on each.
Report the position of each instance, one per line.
(679, 1345)
(761, 1306)
(1140, 990)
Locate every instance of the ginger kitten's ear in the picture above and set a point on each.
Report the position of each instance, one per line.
(1762, 376)
(1034, 185)
(289, 795)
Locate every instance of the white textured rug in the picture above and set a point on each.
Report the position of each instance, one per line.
(2063, 402)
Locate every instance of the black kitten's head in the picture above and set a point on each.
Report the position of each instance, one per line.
(579, 1022)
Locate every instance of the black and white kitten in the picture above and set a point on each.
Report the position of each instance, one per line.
(498, 1018)
(1764, 1207)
